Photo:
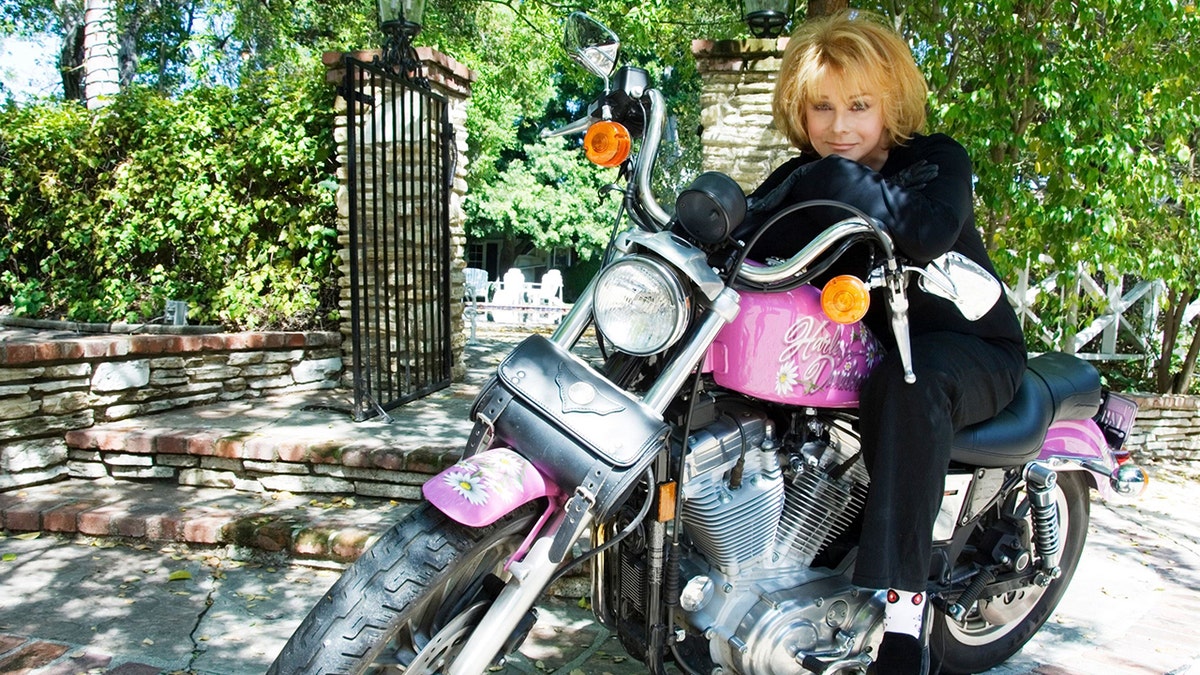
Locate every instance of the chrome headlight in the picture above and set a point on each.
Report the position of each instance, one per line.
(641, 307)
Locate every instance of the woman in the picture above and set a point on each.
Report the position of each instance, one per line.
(852, 100)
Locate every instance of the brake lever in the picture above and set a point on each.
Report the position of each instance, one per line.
(578, 126)
(894, 278)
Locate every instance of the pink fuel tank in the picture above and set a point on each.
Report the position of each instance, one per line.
(783, 348)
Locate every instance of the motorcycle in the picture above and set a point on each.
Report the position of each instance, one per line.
(708, 466)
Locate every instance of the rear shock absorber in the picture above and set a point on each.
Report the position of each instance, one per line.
(1040, 481)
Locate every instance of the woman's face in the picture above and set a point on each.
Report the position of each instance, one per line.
(847, 124)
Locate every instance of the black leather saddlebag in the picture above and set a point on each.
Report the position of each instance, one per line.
(577, 428)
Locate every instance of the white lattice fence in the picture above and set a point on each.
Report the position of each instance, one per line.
(1101, 295)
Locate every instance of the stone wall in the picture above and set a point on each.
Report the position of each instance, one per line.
(49, 387)
(1167, 429)
(452, 80)
(738, 135)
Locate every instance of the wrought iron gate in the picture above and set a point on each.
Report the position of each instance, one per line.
(399, 143)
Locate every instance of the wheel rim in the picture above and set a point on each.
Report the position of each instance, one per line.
(993, 618)
(434, 633)
(441, 648)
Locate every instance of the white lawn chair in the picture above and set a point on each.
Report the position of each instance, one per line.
(511, 291)
(476, 284)
(551, 290)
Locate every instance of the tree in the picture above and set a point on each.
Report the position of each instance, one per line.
(1080, 117)
(818, 8)
(101, 72)
(526, 83)
(550, 198)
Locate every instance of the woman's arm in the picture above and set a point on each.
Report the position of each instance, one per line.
(924, 201)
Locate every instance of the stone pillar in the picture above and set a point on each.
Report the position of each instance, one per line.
(453, 81)
(738, 135)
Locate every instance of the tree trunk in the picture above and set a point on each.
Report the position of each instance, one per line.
(1183, 378)
(818, 8)
(70, 59)
(100, 67)
(1176, 304)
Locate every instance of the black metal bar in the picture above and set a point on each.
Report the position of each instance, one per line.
(352, 102)
(425, 291)
(409, 338)
(445, 136)
(378, 295)
(391, 264)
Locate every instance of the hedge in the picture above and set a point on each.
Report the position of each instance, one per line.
(220, 197)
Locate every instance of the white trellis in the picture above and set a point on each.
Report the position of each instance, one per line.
(1111, 302)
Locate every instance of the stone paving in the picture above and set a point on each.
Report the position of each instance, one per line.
(146, 577)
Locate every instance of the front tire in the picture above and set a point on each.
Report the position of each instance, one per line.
(998, 627)
(409, 602)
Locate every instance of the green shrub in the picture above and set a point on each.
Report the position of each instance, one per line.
(220, 197)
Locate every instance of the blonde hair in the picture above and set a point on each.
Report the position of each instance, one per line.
(869, 57)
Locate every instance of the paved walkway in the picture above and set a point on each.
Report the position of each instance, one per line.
(86, 586)
(84, 604)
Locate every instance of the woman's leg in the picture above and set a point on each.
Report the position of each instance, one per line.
(906, 437)
(907, 433)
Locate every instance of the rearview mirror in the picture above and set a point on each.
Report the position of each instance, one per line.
(591, 44)
(960, 280)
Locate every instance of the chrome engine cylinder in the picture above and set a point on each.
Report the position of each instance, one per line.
(752, 590)
(733, 524)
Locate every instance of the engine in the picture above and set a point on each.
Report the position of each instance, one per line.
(758, 512)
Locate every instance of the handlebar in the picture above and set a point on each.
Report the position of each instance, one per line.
(831, 236)
(578, 126)
(893, 276)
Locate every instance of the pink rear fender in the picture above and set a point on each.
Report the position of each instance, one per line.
(1079, 440)
(1079, 445)
(478, 490)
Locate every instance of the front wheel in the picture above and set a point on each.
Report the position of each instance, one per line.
(997, 627)
(409, 602)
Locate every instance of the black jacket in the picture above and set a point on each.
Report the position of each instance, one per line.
(922, 195)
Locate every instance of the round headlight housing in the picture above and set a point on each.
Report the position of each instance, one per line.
(640, 306)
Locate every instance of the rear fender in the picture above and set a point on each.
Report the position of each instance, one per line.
(479, 489)
(1079, 445)
(1075, 440)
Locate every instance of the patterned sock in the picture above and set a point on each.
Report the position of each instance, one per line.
(904, 612)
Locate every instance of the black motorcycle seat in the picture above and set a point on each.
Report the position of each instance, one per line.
(1055, 387)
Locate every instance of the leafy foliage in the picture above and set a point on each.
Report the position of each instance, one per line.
(221, 198)
(549, 198)
(1082, 118)
(526, 82)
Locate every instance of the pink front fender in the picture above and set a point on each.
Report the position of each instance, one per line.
(478, 490)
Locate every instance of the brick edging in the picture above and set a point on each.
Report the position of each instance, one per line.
(21, 353)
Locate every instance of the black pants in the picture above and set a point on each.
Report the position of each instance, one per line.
(906, 436)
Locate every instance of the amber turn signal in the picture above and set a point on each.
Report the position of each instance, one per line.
(845, 299)
(607, 144)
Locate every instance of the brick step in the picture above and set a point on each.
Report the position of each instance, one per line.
(304, 443)
(21, 654)
(330, 528)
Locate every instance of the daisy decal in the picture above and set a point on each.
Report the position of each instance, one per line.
(503, 473)
(468, 486)
(786, 378)
(507, 464)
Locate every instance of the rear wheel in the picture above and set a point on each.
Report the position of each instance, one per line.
(997, 627)
(409, 602)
